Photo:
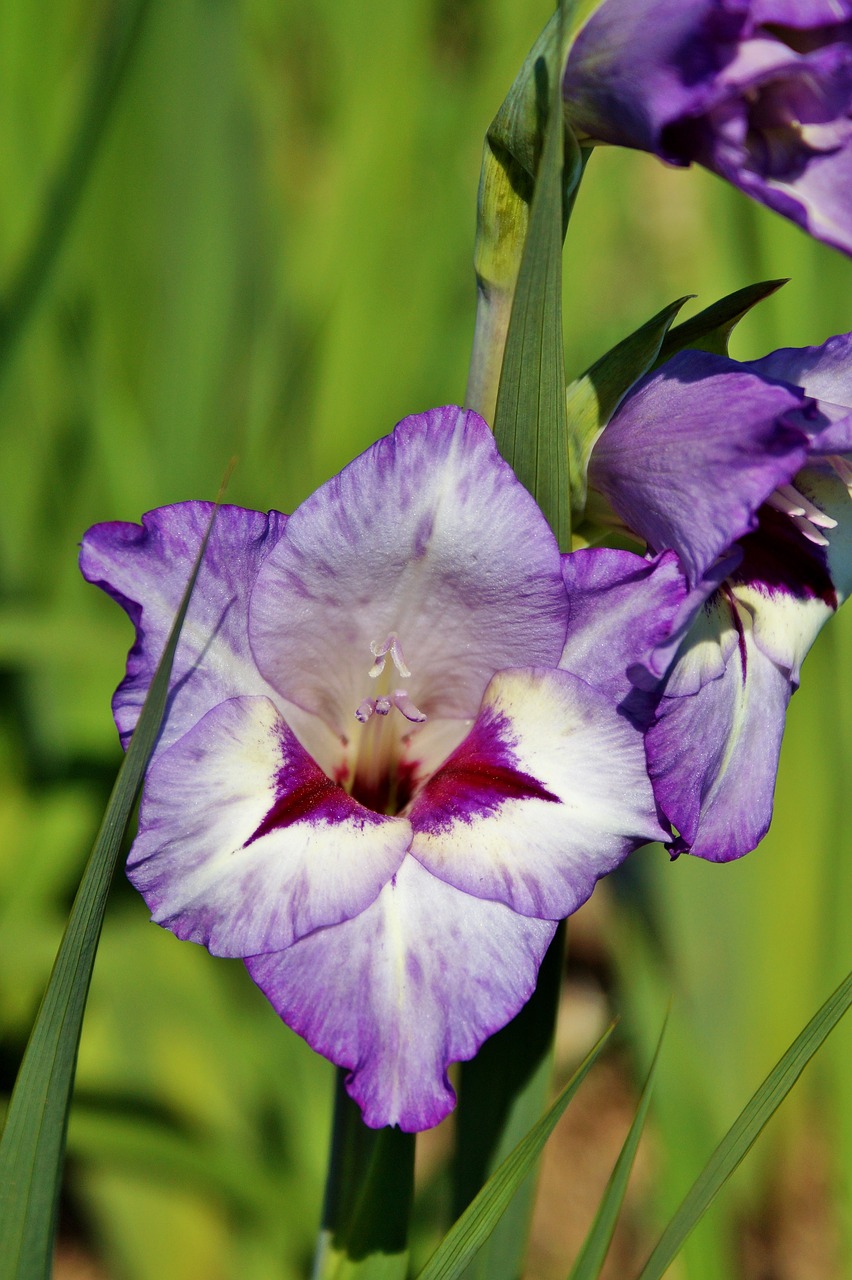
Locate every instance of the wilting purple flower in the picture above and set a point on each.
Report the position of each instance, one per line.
(759, 91)
(737, 469)
(398, 745)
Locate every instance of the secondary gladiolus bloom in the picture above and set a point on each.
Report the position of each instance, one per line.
(381, 778)
(737, 469)
(759, 91)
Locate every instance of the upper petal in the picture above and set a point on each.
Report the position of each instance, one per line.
(693, 452)
(823, 371)
(245, 844)
(146, 568)
(548, 792)
(415, 982)
(623, 612)
(428, 536)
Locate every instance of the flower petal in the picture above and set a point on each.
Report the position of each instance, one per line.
(693, 452)
(415, 982)
(765, 106)
(791, 585)
(548, 792)
(623, 610)
(146, 567)
(825, 372)
(636, 68)
(427, 537)
(713, 755)
(245, 844)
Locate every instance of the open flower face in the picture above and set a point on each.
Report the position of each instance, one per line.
(744, 471)
(759, 91)
(381, 780)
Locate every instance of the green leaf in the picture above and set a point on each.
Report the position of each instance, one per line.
(711, 329)
(502, 1093)
(743, 1133)
(472, 1229)
(590, 1260)
(529, 420)
(511, 162)
(368, 1198)
(33, 1143)
(593, 398)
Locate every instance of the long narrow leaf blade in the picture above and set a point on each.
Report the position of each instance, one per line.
(33, 1143)
(745, 1130)
(472, 1229)
(590, 1260)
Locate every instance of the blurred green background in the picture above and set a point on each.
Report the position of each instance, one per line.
(245, 228)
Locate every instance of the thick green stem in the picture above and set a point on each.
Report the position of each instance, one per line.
(503, 1092)
(367, 1199)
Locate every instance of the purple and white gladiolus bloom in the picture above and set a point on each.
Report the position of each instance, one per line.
(758, 91)
(744, 470)
(397, 748)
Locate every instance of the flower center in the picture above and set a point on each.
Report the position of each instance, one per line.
(386, 697)
(382, 779)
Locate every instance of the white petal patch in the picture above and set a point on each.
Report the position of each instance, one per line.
(548, 792)
(245, 844)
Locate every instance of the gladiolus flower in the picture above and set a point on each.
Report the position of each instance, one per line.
(744, 470)
(397, 749)
(758, 91)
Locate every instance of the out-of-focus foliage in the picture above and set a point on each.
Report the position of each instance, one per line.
(271, 258)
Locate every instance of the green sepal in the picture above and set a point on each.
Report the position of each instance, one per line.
(470, 1232)
(32, 1148)
(711, 329)
(593, 398)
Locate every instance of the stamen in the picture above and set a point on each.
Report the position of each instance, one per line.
(382, 704)
(807, 518)
(810, 532)
(403, 703)
(786, 500)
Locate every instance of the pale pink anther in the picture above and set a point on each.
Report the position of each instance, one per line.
(403, 703)
(807, 518)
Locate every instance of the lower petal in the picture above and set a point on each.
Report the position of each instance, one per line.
(548, 792)
(245, 844)
(415, 982)
(713, 754)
